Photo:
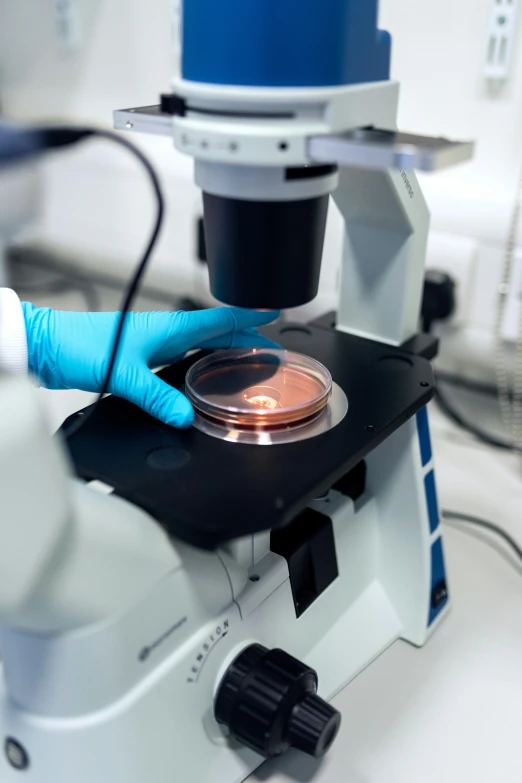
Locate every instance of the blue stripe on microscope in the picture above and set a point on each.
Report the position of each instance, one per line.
(423, 429)
(431, 500)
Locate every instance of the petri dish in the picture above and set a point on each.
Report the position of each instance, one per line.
(260, 390)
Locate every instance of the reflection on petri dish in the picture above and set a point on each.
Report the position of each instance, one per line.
(263, 397)
(258, 389)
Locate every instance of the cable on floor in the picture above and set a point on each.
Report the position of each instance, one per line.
(470, 519)
(457, 418)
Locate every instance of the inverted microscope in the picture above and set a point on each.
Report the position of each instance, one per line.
(216, 588)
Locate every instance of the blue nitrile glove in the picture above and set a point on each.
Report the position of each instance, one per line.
(72, 350)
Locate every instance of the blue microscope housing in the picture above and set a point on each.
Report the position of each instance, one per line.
(284, 43)
(278, 44)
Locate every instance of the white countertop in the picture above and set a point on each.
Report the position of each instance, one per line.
(451, 711)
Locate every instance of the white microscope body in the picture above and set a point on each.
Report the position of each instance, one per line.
(115, 639)
(115, 649)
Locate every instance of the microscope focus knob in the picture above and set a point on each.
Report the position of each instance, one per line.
(268, 701)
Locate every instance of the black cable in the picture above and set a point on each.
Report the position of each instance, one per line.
(133, 286)
(456, 417)
(472, 520)
(453, 414)
(467, 384)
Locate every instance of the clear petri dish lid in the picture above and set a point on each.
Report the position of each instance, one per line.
(258, 388)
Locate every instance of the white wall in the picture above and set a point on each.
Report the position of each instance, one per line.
(438, 54)
(97, 200)
(124, 54)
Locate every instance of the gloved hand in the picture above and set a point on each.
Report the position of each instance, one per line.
(72, 350)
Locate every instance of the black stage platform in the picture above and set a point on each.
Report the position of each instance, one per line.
(206, 491)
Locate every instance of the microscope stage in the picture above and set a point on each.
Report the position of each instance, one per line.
(206, 491)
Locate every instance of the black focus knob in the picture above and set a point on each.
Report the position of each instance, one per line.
(268, 701)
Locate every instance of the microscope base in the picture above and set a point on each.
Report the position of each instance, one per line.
(390, 585)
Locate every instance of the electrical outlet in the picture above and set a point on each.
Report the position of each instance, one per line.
(512, 314)
(499, 44)
(67, 23)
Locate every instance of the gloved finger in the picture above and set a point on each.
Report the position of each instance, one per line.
(246, 339)
(140, 386)
(194, 328)
(270, 344)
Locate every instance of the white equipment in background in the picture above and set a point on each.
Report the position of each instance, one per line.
(500, 39)
(20, 200)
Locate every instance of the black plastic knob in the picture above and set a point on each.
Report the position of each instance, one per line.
(439, 298)
(268, 701)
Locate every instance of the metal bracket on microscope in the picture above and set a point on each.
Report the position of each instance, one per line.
(369, 148)
(144, 119)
